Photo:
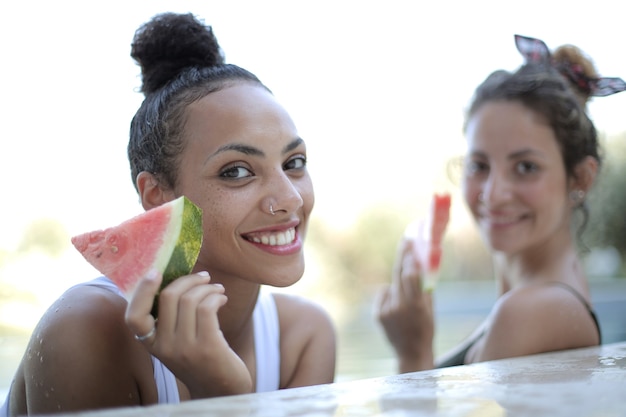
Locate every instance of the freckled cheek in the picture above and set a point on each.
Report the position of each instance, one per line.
(217, 211)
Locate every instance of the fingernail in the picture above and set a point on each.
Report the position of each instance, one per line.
(203, 273)
(152, 274)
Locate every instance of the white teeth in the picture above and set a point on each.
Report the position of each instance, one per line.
(276, 239)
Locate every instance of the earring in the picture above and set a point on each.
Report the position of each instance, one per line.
(577, 196)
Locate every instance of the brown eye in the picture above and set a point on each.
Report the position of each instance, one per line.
(298, 162)
(236, 172)
(526, 167)
(474, 168)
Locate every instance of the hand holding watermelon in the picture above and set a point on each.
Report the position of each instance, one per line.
(405, 307)
(187, 337)
(150, 257)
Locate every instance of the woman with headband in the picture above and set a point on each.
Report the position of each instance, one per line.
(532, 159)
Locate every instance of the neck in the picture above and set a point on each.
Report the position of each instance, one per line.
(556, 260)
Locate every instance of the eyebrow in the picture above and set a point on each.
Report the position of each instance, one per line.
(251, 150)
(525, 152)
(514, 155)
(293, 144)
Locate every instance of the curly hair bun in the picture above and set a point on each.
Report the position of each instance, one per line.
(577, 68)
(572, 55)
(170, 43)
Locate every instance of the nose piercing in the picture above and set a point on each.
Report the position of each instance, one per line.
(272, 210)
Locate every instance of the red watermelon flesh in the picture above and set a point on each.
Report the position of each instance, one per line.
(437, 222)
(427, 234)
(167, 238)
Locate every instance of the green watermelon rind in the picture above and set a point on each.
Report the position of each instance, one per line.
(184, 254)
(184, 239)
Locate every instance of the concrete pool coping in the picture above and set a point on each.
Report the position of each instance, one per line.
(588, 381)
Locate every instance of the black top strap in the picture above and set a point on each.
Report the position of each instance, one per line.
(582, 300)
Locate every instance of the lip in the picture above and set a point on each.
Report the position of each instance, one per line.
(261, 238)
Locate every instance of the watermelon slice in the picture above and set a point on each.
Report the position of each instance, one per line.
(427, 235)
(166, 238)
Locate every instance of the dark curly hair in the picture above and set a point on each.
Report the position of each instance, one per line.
(181, 62)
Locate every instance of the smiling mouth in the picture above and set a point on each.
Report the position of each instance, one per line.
(274, 238)
(501, 220)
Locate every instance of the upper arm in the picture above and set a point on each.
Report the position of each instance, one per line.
(307, 343)
(534, 320)
(79, 356)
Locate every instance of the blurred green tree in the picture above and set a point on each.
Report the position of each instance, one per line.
(607, 201)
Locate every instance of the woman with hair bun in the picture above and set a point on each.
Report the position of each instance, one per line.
(532, 160)
(213, 132)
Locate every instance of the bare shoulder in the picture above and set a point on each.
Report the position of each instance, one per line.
(292, 308)
(535, 319)
(301, 320)
(83, 315)
(307, 342)
(82, 356)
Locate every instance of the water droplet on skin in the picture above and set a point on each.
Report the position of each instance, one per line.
(41, 359)
(46, 394)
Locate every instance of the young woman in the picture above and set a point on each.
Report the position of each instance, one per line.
(532, 159)
(212, 132)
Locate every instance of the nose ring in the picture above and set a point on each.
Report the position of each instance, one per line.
(272, 210)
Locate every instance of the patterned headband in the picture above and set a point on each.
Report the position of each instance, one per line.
(535, 50)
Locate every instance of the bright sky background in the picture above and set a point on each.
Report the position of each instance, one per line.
(377, 88)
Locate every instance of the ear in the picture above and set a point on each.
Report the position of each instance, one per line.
(585, 174)
(151, 193)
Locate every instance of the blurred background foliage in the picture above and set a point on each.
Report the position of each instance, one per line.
(607, 202)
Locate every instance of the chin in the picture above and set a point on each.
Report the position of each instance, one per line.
(498, 245)
(502, 247)
(283, 277)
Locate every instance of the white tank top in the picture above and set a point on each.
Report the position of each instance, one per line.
(267, 353)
